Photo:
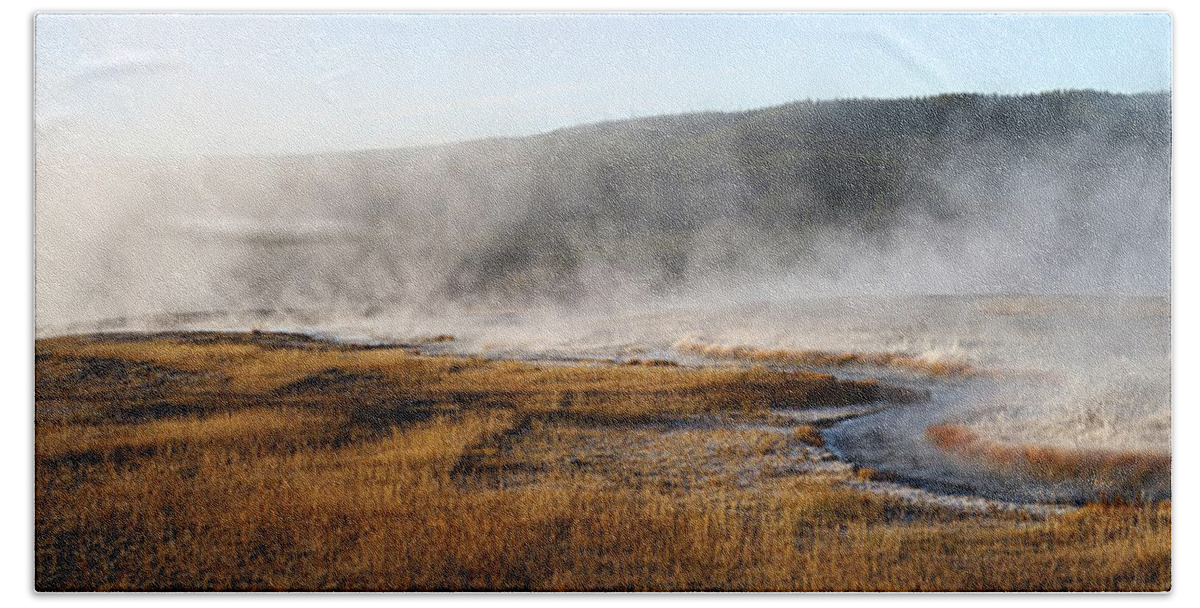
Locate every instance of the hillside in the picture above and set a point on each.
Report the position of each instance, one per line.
(1061, 191)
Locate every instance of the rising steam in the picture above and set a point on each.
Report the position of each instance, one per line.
(806, 228)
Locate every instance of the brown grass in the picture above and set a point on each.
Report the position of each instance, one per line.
(652, 362)
(809, 434)
(251, 461)
(1108, 469)
(827, 359)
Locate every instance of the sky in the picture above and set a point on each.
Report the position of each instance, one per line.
(180, 84)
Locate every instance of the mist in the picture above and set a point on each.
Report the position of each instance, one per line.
(1010, 233)
(1054, 193)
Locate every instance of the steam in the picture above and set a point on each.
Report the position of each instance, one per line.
(812, 226)
(613, 215)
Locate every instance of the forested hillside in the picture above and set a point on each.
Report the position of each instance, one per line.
(1061, 191)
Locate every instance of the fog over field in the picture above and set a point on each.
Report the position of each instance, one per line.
(603, 301)
(1053, 193)
(1041, 223)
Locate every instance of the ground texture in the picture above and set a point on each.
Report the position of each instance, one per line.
(259, 461)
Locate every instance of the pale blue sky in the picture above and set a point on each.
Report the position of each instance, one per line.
(184, 84)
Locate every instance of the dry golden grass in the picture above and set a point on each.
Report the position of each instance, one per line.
(808, 434)
(256, 462)
(1116, 470)
(820, 358)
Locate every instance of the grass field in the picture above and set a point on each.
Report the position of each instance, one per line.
(267, 462)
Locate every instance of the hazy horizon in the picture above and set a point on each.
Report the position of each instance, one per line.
(182, 156)
(284, 161)
(173, 85)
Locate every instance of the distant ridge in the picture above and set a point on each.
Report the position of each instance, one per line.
(1057, 191)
